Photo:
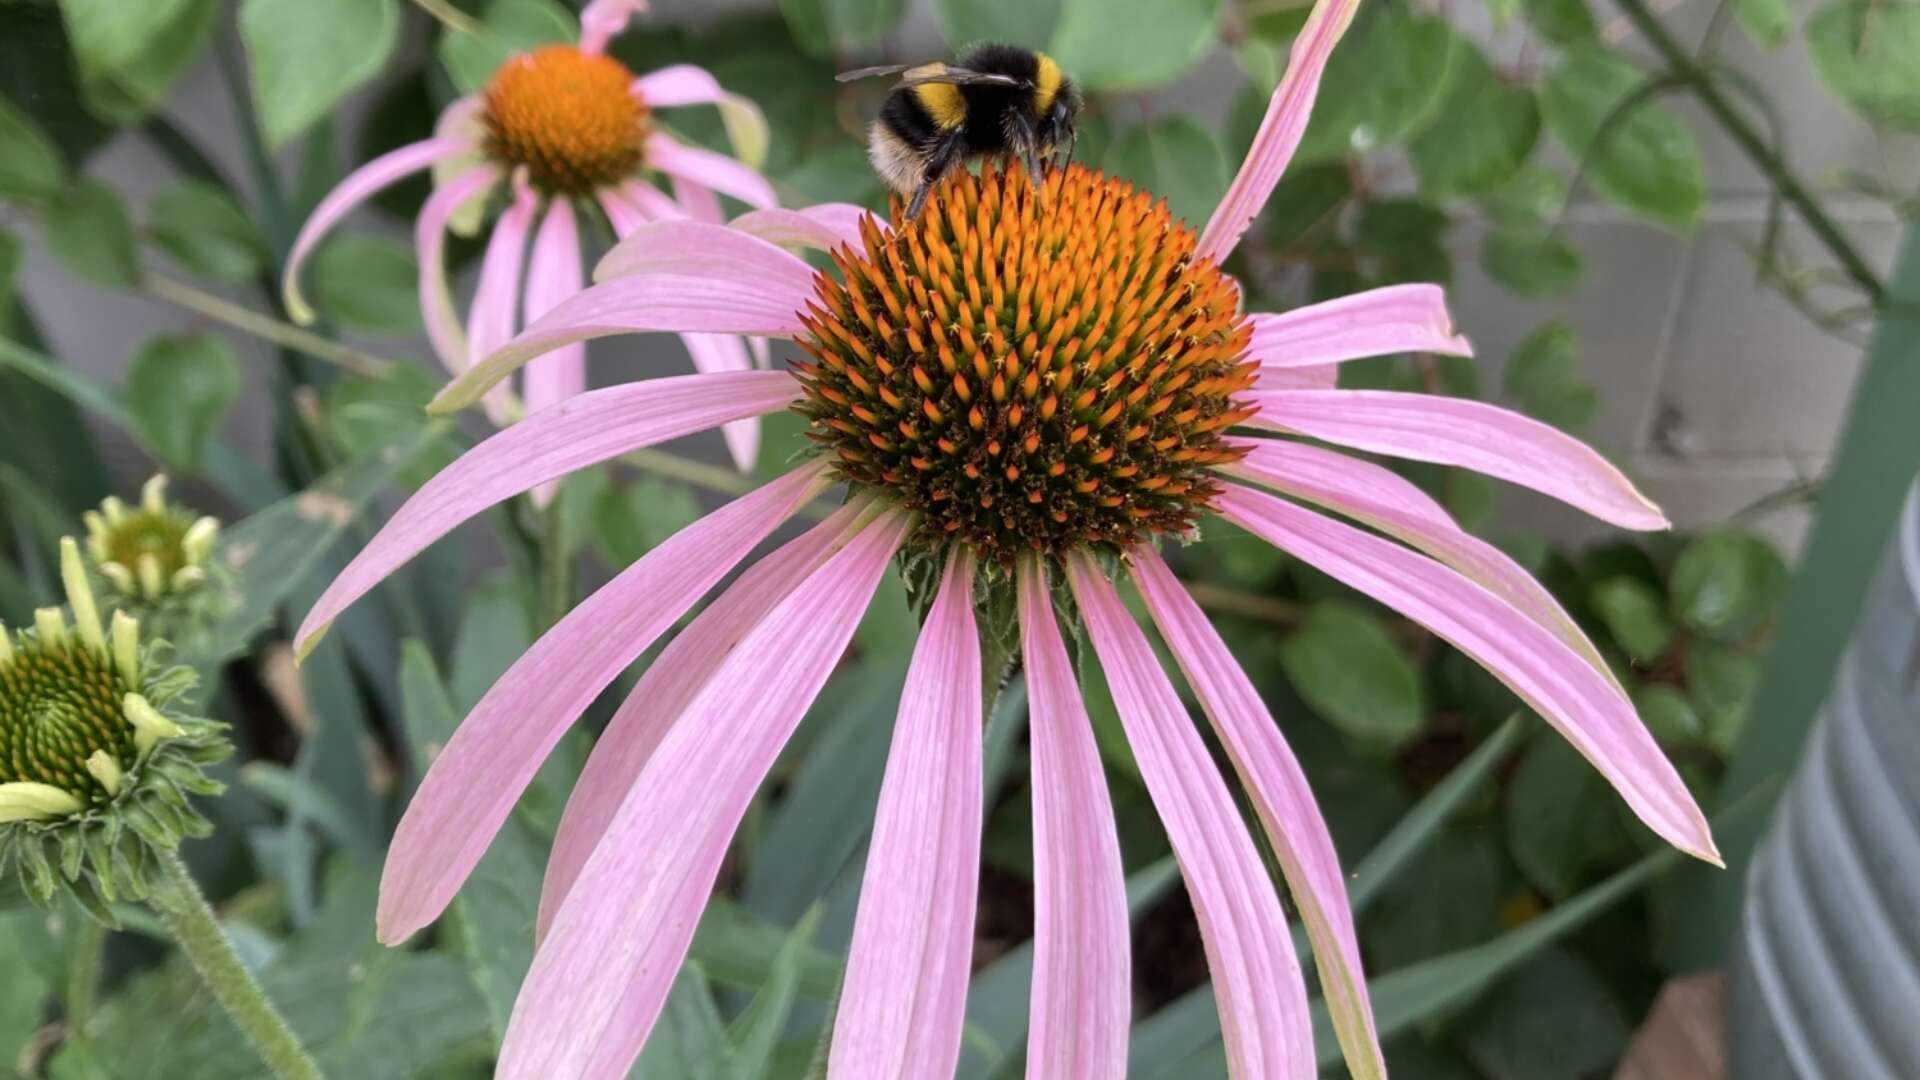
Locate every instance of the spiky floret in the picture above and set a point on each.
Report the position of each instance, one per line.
(96, 763)
(569, 117)
(1029, 370)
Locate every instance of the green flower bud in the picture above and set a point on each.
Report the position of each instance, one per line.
(156, 562)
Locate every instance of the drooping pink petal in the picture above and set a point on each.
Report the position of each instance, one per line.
(816, 228)
(494, 313)
(1281, 797)
(664, 690)
(362, 184)
(905, 995)
(716, 172)
(429, 242)
(733, 286)
(553, 274)
(621, 212)
(596, 987)
(1082, 967)
(600, 20)
(699, 202)
(578, 432)
(657, 205)
(1551, 678)
(727, 352)
(1395, 319)
(475, 781)
(1280, 131)
(685, 84)
(1318, 377)
(465, 120)
(1257, 982)
(1469, 434)
(1380, 499)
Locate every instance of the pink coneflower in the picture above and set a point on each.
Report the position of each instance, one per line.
(1028, 392)
(564, 131)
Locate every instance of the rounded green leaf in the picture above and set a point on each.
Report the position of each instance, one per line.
(632, 519)
(830, 27)
(1647, 160)
(1766, 21)
(1668, 714)
(1720, 682)
(510, 26)
(1384, 83)
(965, 22)
(1726, 583)
(307, 56)
(128, 56)
(1530, 263)
(1483, 132)
(88, 231)
(1553, 1018)
(1543, 378)
(1869, 54)
(1562, 22)
(29, 165)
(1133, 44)
(1351, 671)
(1635, 616)
(367, 282)
(206, 232)
(1174, 158)
(178, 389)
(1559, 824)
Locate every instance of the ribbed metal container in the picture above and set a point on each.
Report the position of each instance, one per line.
(1826, 973)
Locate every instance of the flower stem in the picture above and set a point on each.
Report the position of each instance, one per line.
(84, 949)
(1764, 157)
(556, 564)
(264, 327)
(194, 928)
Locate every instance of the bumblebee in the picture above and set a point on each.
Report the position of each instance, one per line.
(999, 99)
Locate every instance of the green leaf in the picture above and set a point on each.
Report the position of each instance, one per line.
(1404, 240)
(1869, 55)
(1175, 158)
(1157, 40)
(129, 56)
(1447, 898)
(1720, 684)
(1531, 198)
(179, 390)
(1635, 615)
(29, 163)
(1643, 158)
(1543, 379)
(365, 281)
(1481, 135)
(510, 26)
(1384, 83)
(632, 519)
(1726, 583)
(1350, 670)
(88, 231)
(1766, 21)
(740, 949)
(752, 1036)
(1668, 714)
(1562, 22)
(829, 27)
(964, 22)
(1553, 1019)
(1559, 816)
(1469, 497)
(306, 57)
(1306, 201)
(207, 232)
(1530, 263)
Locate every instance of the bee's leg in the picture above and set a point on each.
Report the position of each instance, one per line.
(1025, 142)
(944, 159)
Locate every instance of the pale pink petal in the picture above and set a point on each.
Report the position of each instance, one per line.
(669, 683)
(816, 228)
(492, 316)
(574, 434)
(701, 279)
(905, 995)
(700, 203)
(1318, 377)
(600, 20)
(476, 780)
(1469, 434)
(1082, 967)
(464, 120)
(596, 987)
(1281, 797)
(1382, 500)
(1395, 319)
(1280, 131)
(657, 205)
(762, 351)
(430, 241)
(362, 184)
(685, 84)
(727, 352)
(1551, 678)
(553, 274)
(717, 172)
(1257, 983)
(622, 214)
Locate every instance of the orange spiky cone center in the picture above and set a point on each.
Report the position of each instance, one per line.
(1030, 372)
(570, 118)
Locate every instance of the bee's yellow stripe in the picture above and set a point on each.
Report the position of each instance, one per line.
(941, 100)
(1046, 83)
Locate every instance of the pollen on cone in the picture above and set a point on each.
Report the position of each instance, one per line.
(569, 117)
(1029, 371)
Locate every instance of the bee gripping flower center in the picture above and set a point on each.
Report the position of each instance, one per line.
(571, 118)
(59, 704)
(1030, 371)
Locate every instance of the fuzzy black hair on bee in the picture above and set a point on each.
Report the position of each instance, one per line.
(999, 99)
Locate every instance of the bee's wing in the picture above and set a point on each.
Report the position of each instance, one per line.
(922, 74)
(871, 72)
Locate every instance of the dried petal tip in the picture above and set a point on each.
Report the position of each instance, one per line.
(1030, 371)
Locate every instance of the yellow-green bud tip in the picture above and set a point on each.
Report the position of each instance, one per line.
(126, 647)
(73, 574)
(25, 800)
(197, 544)
(106, 770)
(149, 726)
(153, 493)
(51, 627)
